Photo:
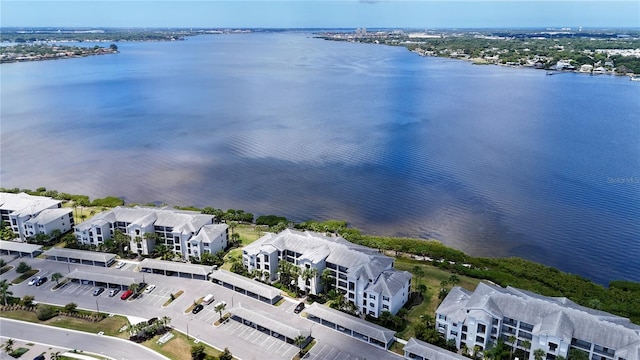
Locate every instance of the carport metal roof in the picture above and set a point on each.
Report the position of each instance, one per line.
(80, 254)
(350, 322)
(110, 279)
(428, 351)
(176, 266)
(19, 246)
(242, 282)
(274, 324)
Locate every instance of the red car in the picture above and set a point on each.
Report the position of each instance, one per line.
(126, 294)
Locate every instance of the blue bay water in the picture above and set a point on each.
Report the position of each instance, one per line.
(491, 160)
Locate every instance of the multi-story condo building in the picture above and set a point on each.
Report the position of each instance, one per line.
(365, 277)
(187, 233)
(530, 322)
(30, 215)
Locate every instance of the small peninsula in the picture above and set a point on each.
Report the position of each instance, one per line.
(36, 52)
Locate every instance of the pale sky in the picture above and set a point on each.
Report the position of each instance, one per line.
(422, 14)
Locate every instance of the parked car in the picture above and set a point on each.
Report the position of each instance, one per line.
(149, 289)
(113, 292)
(119, 265)
(141, 286)
(41, 281)
(34, 280)
(198, 308)
(98, 291)
(299, 308)
(125, 295)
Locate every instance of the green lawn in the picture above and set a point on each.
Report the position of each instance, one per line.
(432, 278)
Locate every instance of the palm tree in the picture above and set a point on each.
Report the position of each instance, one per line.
(512, 339)
(2, 263)
(527, 345)
(419, 273)
(299, 340)
(454, 280)
(220, 308)
(133, 287)
(538, 354)
(308, 274)
(8, 346)
(165, 320)
(327, 280)
(56, 277)
(4, 291)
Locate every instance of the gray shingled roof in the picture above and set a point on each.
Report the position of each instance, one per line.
(80, 254)
(176, 266)
(269, 321)
(391, 281)
(351, 322)
(25, 204)
(19, 246)
(209, 232)
(48, 215)
(240, 281)
(431, 352)
(180, 220)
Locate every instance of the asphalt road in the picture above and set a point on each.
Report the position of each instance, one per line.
(71, 339)
(243, 344)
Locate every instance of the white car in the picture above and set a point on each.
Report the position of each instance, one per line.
(119, 265)
(149, 289)
(34, 280)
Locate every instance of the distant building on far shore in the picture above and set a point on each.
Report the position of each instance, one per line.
(30, 216)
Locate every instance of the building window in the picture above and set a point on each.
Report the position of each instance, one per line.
(372, 296)
(364, 302)
(525, 326)
(482, 328)
(178, 247)
(352, 286)
(385, 298)
(385, 307)
(553, 347)
(98, 231)
(351, 296)
(480, 339)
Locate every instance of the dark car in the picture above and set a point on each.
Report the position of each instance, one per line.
(41, 281)
(39, 357)
(299, 308)
(198, 308)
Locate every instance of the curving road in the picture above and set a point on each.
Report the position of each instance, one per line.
(112, 347)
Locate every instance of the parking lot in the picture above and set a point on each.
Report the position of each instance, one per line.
(267, 343)
(75, 289)
(328, 352)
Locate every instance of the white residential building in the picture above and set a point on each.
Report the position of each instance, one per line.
(365, 277)
(552, 324)
(188, 233)
(30, 215)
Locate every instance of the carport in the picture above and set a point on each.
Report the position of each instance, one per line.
(83, 257)
(19, 249)
(171, 268)
(351, 325)
(245, 286)
(269, 325)
(420, 350)
(104, 280)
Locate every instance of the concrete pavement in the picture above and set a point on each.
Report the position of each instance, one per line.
(243, 343)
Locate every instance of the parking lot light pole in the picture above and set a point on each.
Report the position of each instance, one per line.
(188, 338)
(97, 307)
